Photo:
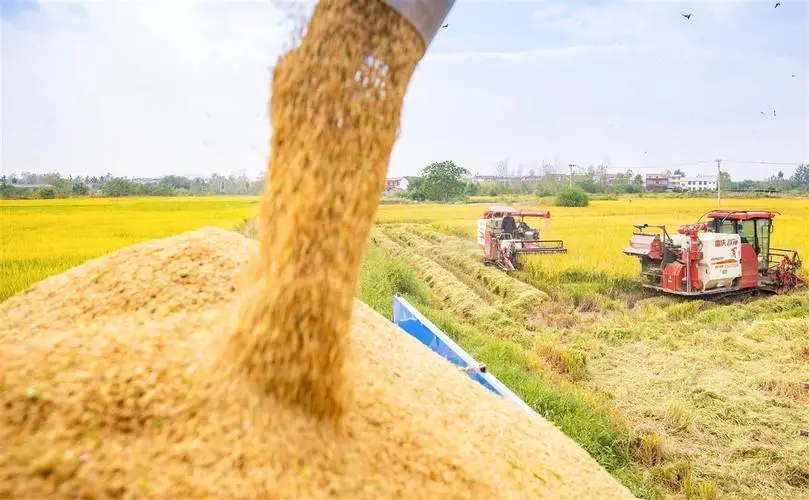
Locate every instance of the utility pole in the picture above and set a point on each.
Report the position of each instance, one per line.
(718, 183)
(571, 165)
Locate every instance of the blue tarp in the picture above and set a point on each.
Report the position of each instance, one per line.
(413, 322)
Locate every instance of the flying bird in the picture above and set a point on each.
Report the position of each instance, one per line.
(793, 76)
(687, 16)
(445, 26)
(776, 5)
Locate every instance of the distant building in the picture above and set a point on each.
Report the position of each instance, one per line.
(492, 179)
(657, 182)
(487, 179)
(557, 177)
(608, 178)
(502, 179)
(145, 180)
(698, 183)
(31, 186)
(396, 184)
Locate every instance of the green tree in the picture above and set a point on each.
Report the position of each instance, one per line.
(572, 197)
(441, 181)
(637, 183)
(175, 182)
(118, 186)
(47, 193)
(79, 189)
(801, 175)
(7, 191)
(51, 178)
(725, 183)
(414, 191)
(589, 185)
(144, 190)
(496, 189)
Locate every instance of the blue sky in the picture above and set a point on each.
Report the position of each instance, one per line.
(149, 88)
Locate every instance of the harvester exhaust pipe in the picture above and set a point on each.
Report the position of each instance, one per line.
(425, 15)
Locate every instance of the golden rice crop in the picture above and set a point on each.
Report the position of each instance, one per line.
(597, 234)
(714, 391)
(40, 238)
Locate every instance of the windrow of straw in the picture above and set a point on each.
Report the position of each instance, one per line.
(463, 257)
(449, 291)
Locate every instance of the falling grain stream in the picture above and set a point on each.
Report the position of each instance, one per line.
(335, 112)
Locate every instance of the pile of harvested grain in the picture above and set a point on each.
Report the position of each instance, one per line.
(96, 402)
(125, 378)
(336, 101)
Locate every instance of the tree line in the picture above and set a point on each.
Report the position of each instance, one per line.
(797, 182)
(54, 185)
(445, 181)
(440, 181)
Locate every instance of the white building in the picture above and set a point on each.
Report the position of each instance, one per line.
(674, 182)
(145, 180)
(396, 184)
(698, 183)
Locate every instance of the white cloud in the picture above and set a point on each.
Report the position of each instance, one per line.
(149, 88)
(139, 88)
(537, 54)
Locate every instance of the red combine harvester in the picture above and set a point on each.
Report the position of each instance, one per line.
(728, 253)
(503, 237)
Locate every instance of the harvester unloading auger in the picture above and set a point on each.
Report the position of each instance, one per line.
(729, 253)
(504, 235)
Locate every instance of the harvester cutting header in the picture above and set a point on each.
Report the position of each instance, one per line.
(729, 253)
(504, 235)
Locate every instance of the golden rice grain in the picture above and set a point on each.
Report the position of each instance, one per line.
(99, 403)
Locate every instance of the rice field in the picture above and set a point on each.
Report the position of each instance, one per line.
(40, 238)
(595, 235)
(677, 399)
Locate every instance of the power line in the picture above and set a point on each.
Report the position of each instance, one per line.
(687, 163)
(653, 167)
(576, 169)
(661, 167)
(698, 162)
(764, 163)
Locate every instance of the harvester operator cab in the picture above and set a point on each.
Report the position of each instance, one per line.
(753, 228)
(508, 226)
